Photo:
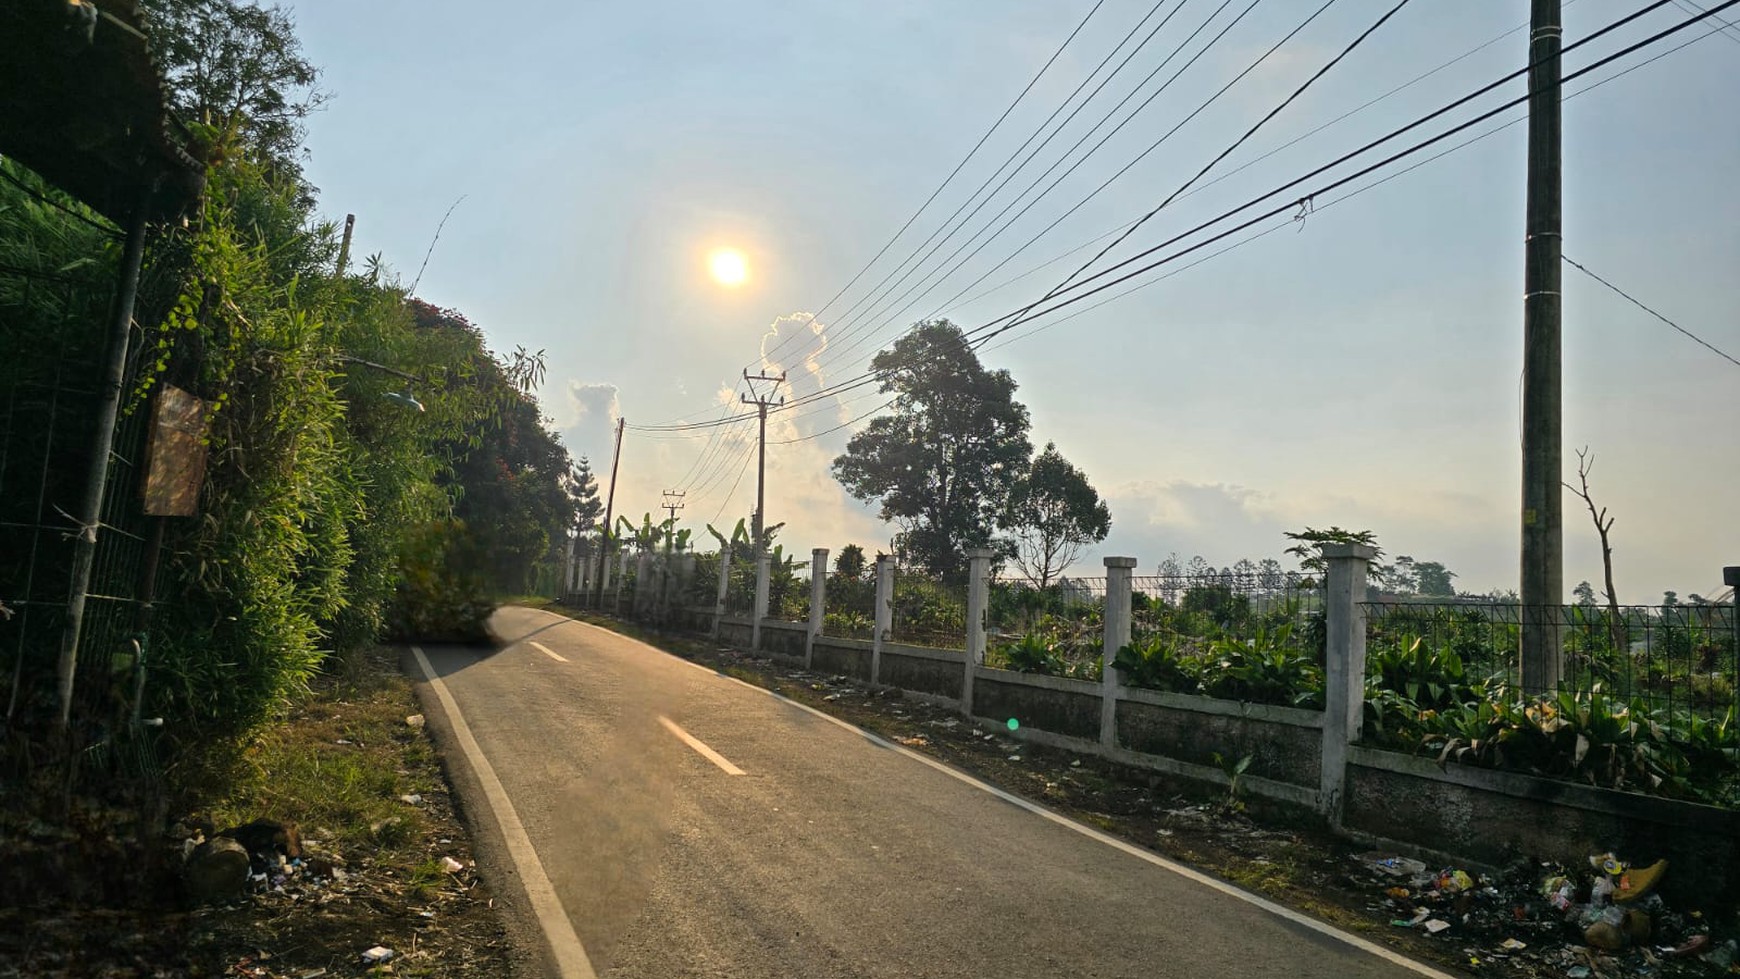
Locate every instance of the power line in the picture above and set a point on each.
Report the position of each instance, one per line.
(845, 327)
(1305, 198)
(1074, 166)
(1635, 302)
(1230, 173)
(1585, 90)
(1029, 314)
(952, 173)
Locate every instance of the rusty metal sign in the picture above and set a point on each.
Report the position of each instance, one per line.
(175, 453)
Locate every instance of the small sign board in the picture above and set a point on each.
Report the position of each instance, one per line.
(175, 452)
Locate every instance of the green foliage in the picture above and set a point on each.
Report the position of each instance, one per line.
(1032, 653)
(1308, 545)
(943, 461)
(848, 625)
(1587, 737)
(1267, 668)
(1054, 512)
(1156, 662)
(849, 563)
(442, 594)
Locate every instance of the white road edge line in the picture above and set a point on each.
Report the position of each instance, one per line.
(1280, 911)
(547, 651)
(700, 747)
(571, 960)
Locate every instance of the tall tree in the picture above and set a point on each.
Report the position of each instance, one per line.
(237, 69)
(1585, 593)
(849, 563)
(1053, 513)
(582, 488)
(942, 464)
(1434, 580)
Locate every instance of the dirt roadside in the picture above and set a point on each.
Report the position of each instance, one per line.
(385, 861)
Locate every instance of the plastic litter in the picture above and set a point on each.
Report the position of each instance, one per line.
(1394, 866)
(414, 720)
(451, 865)
(1512, 945)
(377, 955)
(1436, 925)
(1577, 972)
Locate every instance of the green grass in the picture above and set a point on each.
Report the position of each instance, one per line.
(346, 794)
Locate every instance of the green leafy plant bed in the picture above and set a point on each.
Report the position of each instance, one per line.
(1266, 668)
(1591, 738)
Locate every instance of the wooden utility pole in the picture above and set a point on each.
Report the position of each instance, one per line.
(671, 525)
(761, 403)
(609, 502)
(1543, 575)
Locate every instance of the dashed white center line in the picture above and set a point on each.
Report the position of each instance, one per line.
(700, 747)
(547, 651)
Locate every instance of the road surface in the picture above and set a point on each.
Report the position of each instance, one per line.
(649, 818)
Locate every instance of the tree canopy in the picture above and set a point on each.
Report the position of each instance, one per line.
(942, 463)
(1053, 513)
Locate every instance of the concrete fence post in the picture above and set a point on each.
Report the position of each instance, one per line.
(1344, 667)
(978, 600)
(645, 586)
(1117, 636)
(884, 614)
(724, 587)
(763, 571)
(621, 575)
(818, 601)
(570, 571)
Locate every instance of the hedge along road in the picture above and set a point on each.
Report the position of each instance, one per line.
(649, 817)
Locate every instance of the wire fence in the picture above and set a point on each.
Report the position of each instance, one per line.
(1018, 608)
(52, 348)
(788, 592)
(1281, 610)
(1674, 658)
(928, 611)
(740, 588)
(850, 607)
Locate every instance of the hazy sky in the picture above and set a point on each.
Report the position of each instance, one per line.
(1359, 367)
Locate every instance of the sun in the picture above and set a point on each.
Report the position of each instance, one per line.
(728, 266)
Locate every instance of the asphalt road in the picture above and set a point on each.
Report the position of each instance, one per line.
(830, 855)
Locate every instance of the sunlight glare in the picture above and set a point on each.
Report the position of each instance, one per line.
(729, 267)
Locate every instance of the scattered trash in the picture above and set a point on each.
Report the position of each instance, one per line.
(343, 741)
(1436, 925)
(1512, 945)
(451, 865)
(1076, 763)
(1394, 866)
(1399, 893)
(1577, 972)
(414, 720)
(377, 955)
(1014, 757)
(412, 800)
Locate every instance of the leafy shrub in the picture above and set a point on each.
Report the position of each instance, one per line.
(443, 595)
(1265, 669)
(1586, 737)
(1156, 662)
(848, 625)
(1032, 653)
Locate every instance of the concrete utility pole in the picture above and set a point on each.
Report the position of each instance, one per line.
(671, 525)
(609, 503)
(761, 403)
(1543, 575)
